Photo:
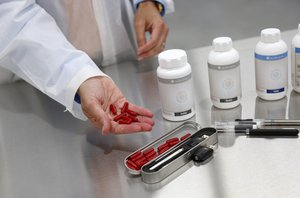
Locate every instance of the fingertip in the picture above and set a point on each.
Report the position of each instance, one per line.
(147, 128)
(141, 49)
(136, 128)
(149, 121)
(105, 131)
(151, 115)
(153, 123)
(139, 58)
(106, 127)
(138, 51)
(146, 112)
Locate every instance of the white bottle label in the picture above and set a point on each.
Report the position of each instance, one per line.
(225, 82)
(176, 95)
(297, 66)
(271, 73)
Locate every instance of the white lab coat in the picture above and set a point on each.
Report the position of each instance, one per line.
(35, 43)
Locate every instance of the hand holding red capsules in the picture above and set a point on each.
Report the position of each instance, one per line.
(107, 108)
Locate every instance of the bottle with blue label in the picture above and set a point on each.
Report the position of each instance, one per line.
(295, 61)
(271, 65)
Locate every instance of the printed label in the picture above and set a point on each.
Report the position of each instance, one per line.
(271, 73)
(228, 100)
(183, 113)
(271, 58)
(175, 81)
(176, 95)
(224, 67)
(297, 65)
(275, 90)
(225, 82)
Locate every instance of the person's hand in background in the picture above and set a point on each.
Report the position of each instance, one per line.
(148, 19)
(96, 95)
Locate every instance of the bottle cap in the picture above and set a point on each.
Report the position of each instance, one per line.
(172, 58)
(222, 44)
(270, 35)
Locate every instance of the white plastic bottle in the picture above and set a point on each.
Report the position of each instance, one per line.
(295, 62)
(224, 74)
(271, 65)
(175, 85)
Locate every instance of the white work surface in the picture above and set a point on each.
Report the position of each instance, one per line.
(45, 152)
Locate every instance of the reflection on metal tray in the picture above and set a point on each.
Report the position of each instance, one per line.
(198, 147)
(162, 157)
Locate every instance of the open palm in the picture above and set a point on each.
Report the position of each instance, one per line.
(97, 94)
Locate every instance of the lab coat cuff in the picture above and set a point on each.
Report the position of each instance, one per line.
(162, 3)
(82, 75)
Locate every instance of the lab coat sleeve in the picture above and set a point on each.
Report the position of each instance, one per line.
(168, 5)
(33, 47)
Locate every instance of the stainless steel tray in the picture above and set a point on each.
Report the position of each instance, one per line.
(210, 139)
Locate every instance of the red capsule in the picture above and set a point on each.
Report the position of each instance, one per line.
(124, 121)
(135, 154)
(133, 113)
(141, 162)
(134, 119)
(152, 157)
(131, 165)
(149, 150)
(126, 118)
(137, 158)
(113, 109)
(163, 150)
(119, 117)
(175, 139)
(125, 107)
(162, 146)
(173, 143)
(185, 136)
(151, 153)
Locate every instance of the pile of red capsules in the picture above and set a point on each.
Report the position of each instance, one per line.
(126, 116)
(139, 158)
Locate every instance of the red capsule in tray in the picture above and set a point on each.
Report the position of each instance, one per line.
(138, 159)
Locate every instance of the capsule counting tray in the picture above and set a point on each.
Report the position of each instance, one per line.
(207, 138)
